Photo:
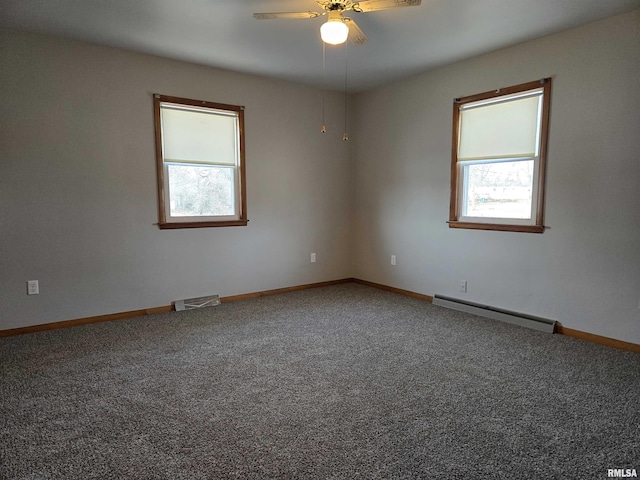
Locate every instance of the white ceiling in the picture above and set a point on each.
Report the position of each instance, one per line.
(223, 33)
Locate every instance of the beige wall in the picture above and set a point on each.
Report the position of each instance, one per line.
(78, 187)
(584, 271)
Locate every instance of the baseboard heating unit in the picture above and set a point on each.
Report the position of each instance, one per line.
(524, 320)
(199, 302)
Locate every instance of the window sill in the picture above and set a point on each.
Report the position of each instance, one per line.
(226, 223)
(497, 226)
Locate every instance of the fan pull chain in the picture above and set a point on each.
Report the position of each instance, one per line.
(345, 137)
(324, 85)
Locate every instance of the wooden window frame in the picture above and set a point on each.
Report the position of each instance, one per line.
(455, 201)
(242, 219)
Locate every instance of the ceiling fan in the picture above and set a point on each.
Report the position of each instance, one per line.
(339, 28)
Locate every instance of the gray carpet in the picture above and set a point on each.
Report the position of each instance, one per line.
(338, 382)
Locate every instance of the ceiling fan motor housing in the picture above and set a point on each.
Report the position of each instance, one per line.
(340, 5)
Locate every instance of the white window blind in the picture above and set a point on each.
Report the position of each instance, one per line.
(500, 129)
(198, 136)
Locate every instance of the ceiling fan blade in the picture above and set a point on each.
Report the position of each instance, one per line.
(356, 35)
(269, 16)
(374, 5)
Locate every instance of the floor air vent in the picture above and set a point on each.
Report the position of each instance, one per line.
(199, 302)
(524, 320)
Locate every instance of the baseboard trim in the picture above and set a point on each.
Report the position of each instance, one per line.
(408, 293)
(278, 291)
(83, 321)
(589, 337)
(593, 338)
(559, 329)
(148, 311)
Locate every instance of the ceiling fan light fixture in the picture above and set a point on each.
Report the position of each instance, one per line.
(334, 31)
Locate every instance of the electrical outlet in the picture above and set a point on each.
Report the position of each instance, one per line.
(32, 287)
(463, 286)
(313, 258)
(393, 259)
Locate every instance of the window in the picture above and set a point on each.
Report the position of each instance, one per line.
(200, 163)
(499, 157)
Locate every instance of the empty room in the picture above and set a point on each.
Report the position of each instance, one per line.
(320, 239)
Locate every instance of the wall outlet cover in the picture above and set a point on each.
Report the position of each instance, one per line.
(32, 287)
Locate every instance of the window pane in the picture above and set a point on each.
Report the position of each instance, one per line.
(201, 190)
(498, 190)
